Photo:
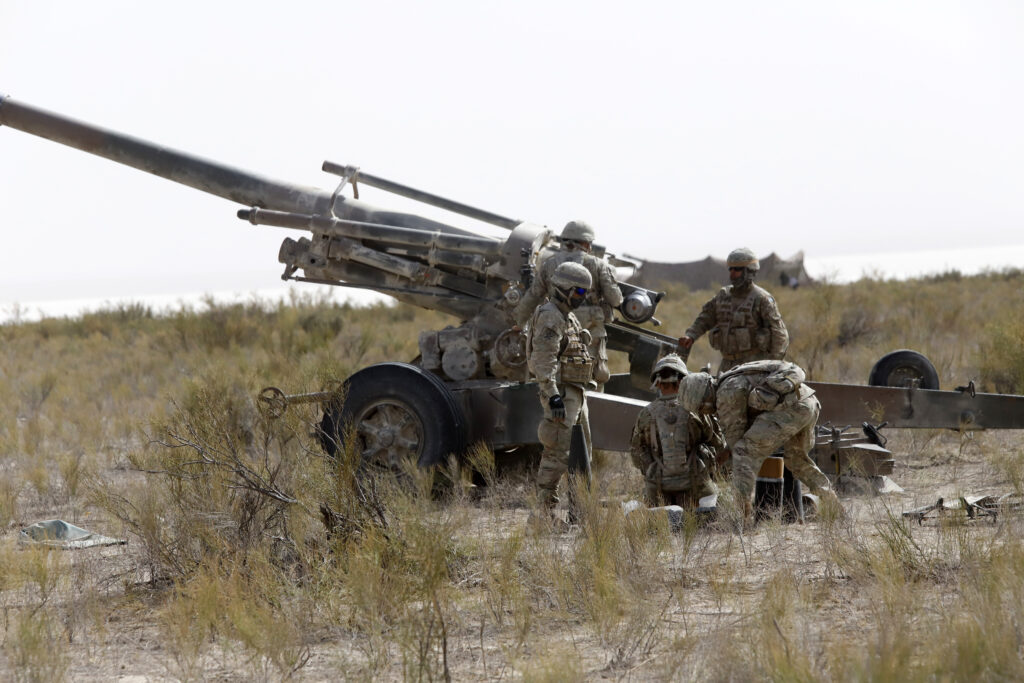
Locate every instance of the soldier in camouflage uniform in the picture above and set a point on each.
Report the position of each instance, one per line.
(743, 319)
(763, 405)
(675, 449)
(602, 298)
(558, 357)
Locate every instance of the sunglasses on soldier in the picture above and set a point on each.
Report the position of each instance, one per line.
(735, 269)
(579, 291)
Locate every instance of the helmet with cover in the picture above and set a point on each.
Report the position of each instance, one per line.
(570, 282)
(666, 375)
(743, 265)
(667, 365)
(697, 392)
(743, 258)
(577, 233)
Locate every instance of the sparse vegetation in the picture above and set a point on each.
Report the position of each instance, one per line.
(252, 555)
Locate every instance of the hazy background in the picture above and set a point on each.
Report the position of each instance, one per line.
(876, 136)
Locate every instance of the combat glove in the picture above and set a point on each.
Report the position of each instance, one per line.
(557, 407)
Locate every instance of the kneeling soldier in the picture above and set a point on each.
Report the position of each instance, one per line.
(674, 448)
(558, 357)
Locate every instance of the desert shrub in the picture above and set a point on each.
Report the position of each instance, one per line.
(981, 640)
(236, 604)
(250, 551)
(242, 510)
(30, 649)
(226, 481)
(400, 585)
(1002, 354)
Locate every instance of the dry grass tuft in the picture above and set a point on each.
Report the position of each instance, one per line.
(252, 555)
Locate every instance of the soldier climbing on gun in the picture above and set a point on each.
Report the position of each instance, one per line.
(602, 298)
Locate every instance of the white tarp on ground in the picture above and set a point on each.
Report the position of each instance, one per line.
(56, 533)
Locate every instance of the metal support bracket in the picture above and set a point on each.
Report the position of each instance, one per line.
(348, 174)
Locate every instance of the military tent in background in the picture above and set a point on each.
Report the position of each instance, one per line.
(711, 273)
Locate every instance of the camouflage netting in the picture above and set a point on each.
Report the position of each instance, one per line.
(711, 273)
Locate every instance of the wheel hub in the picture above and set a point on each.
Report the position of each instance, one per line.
(901, 376)
(390, 433)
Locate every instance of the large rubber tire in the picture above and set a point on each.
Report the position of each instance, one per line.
(894, 369)
(399, 412)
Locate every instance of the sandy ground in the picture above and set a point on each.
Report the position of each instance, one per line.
(721, 575)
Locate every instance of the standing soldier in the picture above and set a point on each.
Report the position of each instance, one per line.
(605, 295)
(763, 405)
(675, 449)
(743, 319)
(557, 353)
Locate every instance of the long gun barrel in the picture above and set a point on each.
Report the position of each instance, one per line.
(202, 174)
(417, 260)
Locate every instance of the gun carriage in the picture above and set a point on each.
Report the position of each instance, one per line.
(469, 383)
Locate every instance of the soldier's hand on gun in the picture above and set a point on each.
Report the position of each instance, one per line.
(686, 342)
(557, 407)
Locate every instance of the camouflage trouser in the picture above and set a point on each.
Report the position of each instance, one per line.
(556, 437)
(791, 425)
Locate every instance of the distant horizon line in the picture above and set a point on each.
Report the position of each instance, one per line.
(838, 269)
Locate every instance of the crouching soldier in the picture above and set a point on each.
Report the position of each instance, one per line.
(675, 449)
(763, 405)
(557, 353)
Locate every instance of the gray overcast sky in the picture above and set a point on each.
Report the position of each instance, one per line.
(677, 129)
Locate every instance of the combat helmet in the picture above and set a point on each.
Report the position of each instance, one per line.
(671, 361)
(577, 231)
(570, 274)
(743, 258)
(696, 390)
(570, 282)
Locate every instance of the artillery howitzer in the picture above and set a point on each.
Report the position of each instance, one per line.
(469, 382)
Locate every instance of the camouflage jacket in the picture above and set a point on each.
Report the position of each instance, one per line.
(604, 294)
(555, 347)
(742, 323)
(783, 379)
(673, 447)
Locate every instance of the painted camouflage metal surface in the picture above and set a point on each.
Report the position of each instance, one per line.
(843, 404)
